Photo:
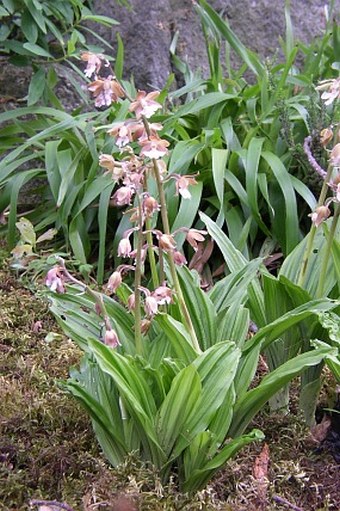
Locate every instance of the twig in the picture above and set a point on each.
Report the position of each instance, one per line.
(52, 503)
(285, 502)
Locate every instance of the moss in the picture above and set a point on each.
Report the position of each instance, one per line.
(48, 450)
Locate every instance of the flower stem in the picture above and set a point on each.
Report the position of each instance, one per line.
(166, 228)
(151, 254)
(324, 266)
(138, 280)
(312, 232)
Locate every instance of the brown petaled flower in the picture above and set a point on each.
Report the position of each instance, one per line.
(144, 326)
(94, 63)
(154, 147)
(107, 161)
(326, 136)
(166, 242)
(195, 235)
(145, 104)
(182, 185)
(111, 338)
(106, 91)
(55, 279)
(319, 215)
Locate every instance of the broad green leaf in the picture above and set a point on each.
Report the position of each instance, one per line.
(177, 336)
(273, 330)
(200, 308)
(250, 403)
(28, 27)
(172, 417)
(37, 50)
(134, 388)
(36, 87)
(199, 478)
(236, 262)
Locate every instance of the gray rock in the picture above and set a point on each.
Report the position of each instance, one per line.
(148, 29)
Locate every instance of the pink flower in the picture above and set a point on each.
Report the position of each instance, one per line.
(319, 215)
(150, 306)
(150, 205)
(335, 156)
(123, 196)
(114, 282)
(55, 280)
(94, 63)
(331, 90)
(124, 248)
(145, 104)
(106, 91)
(182, 185)
(195, 235)
(111, 339)
(163, 295)
(154, 147)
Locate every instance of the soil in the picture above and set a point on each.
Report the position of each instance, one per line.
(48, 451)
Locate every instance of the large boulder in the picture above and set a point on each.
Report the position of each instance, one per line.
(148, 28)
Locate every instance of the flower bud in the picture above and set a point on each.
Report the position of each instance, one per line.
(111, 339)
(150, 205)
(179, 258)
(131, 303)
(107, 161)
(319, 215)
(145, 325)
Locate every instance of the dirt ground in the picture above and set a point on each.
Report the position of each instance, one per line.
(48, 451)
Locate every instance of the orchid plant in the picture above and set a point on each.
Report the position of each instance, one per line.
(167, 367)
